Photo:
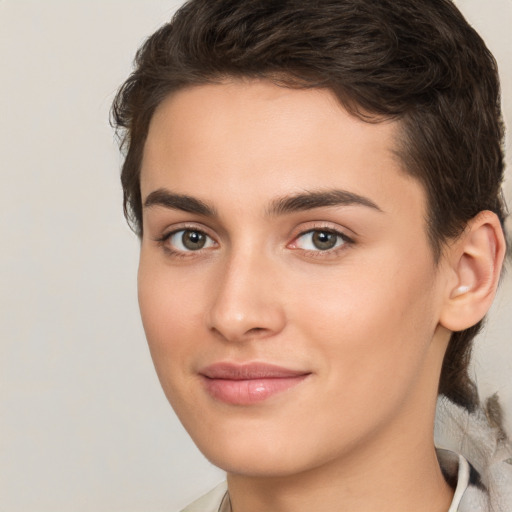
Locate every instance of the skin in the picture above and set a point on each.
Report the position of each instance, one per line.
(362, 319)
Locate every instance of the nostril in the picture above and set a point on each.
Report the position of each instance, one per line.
(242, 318)
(256, 333)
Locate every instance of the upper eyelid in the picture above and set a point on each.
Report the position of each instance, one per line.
(171, 230)
(324, 226)
(163, 242)
(175, 231)
(346, 238)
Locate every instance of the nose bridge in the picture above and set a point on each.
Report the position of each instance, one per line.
(246, 302)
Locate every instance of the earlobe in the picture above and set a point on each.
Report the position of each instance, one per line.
(476, 261)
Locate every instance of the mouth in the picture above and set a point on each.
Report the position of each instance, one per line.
(246, 384)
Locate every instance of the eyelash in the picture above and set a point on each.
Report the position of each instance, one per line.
(163, 242)
(345, 240)
(177, 253)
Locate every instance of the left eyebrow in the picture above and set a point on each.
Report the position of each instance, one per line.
(310, 200)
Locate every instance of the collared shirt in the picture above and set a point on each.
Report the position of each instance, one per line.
(456, 470)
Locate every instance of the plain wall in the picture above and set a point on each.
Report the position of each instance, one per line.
(84, 425)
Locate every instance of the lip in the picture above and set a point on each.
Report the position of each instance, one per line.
(246, 384)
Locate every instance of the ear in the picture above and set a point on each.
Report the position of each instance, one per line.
(475, 261)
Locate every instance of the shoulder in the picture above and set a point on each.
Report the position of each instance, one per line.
(483, 470)
(214, 501)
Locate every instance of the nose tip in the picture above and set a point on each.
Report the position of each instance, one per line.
(249, 321)
(246, 305)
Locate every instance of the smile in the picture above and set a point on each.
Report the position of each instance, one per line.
(248, 383)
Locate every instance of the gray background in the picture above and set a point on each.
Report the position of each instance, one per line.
(84, 425)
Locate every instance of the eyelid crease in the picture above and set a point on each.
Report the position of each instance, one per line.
(186, 226)
(346, 239)
(325, 225)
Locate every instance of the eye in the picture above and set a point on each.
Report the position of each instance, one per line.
(320, 240)
(186, 240)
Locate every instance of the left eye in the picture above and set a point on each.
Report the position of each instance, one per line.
(186, 240)
(319, 240)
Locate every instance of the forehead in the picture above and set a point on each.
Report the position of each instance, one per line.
(250, 141)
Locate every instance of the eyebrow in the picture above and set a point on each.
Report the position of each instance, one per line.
(189, 204)
(320, 199)
(304, 201)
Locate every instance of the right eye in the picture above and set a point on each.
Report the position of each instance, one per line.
(188, 240)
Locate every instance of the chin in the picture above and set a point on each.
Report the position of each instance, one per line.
(253, 462)
(248, 447)
(257, 449)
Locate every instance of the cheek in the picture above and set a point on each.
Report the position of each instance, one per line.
(172, 315)
(374, 325)
(171, 312)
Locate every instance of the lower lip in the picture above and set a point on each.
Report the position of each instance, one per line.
(250, 391)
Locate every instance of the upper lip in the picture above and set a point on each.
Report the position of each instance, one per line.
(249, 371)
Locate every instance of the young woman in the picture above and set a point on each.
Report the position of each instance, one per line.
(317, 189)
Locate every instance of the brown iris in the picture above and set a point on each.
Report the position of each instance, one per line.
(324, 240)
(193, 240)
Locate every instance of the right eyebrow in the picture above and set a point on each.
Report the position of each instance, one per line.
(173, 201)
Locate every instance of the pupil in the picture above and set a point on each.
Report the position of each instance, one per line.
(324, 240)
(193, 240)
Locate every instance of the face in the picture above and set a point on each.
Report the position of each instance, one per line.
(286, 284)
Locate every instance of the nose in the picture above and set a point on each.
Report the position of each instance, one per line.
(247, 304)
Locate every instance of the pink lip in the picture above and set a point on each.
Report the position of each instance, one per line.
(245, 384)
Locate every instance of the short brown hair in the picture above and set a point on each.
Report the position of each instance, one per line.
(417, 61)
